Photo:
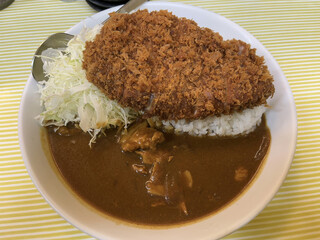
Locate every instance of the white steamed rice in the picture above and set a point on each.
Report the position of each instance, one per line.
(225, 125)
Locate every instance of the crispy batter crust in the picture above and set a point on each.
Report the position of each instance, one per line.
(169, 67)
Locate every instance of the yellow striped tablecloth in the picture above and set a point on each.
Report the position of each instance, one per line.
(290, 30)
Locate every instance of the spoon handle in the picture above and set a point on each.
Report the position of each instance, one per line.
(128, 7)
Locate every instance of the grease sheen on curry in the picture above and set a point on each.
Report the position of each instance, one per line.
(103, 176)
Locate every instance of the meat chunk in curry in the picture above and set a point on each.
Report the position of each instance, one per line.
(169, 185)
(141, 137)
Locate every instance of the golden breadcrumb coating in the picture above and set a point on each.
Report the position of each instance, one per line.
(169, 67)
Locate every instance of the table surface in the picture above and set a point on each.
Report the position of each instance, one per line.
(290, 30)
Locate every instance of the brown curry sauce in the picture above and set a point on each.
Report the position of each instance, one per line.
(103, 176)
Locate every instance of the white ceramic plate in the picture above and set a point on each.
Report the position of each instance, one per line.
(281, 120)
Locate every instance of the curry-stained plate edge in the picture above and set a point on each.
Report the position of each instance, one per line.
(216, 226)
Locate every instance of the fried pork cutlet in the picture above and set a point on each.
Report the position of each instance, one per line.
(169, 67)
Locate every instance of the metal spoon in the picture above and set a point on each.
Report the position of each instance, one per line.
(60, 40)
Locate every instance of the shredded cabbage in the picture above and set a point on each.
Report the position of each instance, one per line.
(68, 96)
